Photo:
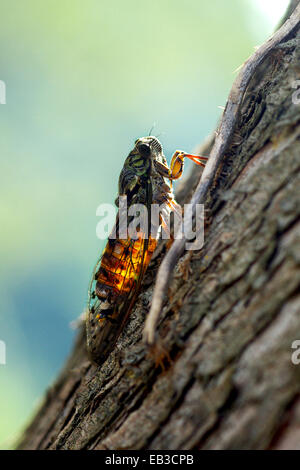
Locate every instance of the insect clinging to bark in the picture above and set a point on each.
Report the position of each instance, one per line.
(146, 180)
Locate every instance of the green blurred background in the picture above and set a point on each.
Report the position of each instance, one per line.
(84, 79)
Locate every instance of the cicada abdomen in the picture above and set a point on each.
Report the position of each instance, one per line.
(113, 290)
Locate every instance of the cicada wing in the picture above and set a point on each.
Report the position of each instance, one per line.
(103, 330)
(91, 288)
(117, 277)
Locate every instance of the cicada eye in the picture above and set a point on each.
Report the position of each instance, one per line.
(144, 150)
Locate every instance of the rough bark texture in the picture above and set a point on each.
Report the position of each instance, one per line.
(230, 317)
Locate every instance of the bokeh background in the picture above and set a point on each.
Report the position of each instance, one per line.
(84, 79)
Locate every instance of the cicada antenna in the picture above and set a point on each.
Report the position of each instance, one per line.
(153, 125)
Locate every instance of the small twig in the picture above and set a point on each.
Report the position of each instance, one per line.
(222, 141)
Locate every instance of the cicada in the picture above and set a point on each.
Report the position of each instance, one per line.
(145, 179)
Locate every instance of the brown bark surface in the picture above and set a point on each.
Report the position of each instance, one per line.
(230, 317)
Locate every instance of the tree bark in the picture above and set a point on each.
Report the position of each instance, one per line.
(230, 316)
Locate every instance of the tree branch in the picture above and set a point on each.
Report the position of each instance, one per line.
(222, 141)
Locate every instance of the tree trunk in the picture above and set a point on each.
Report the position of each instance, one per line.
(230, 316)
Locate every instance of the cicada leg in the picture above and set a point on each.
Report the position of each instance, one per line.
(160, 355)
(176, 167)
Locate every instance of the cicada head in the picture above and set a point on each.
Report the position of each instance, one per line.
(149, 147)
(146, 150)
